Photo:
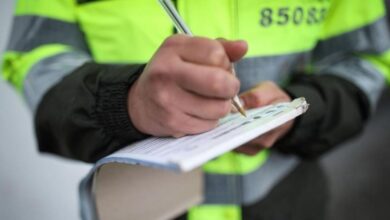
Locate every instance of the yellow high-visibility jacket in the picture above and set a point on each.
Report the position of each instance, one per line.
(345, 39)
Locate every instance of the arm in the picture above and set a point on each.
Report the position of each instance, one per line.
(86, 111)
(348, 75)
(71, 104)
(101, 110)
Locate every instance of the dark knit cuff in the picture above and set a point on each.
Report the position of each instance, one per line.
(306, 126)
(313, 97)
(337, 112)
(112, 106)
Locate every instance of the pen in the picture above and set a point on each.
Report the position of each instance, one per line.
(182, 28)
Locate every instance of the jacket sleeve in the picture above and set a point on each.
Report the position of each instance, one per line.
(348, 73)
(79, 106)
(85, 116)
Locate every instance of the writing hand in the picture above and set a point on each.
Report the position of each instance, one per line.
(186, 87)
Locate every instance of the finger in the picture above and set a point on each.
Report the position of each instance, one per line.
(234, 49)
(250, 149)
(211, 82)
(264, 94)
(200, 106)
(189, 124)
(205, 51)
(270, 138)
(178, 135)
(174, 122)
(267, 140)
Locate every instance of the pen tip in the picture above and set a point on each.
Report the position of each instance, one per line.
(242, 112)
(237, 105)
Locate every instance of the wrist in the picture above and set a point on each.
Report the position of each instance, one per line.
(134, 107)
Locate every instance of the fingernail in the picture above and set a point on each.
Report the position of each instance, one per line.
(178, 135)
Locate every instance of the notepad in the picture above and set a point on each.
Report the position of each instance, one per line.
(169, 167)
(189, 152)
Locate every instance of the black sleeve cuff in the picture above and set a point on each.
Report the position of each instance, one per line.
(337, 112)
(112, 106)
(84, 116)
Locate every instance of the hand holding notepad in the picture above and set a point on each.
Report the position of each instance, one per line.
(264, 93)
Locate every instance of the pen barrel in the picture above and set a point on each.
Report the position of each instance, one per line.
(176, 18)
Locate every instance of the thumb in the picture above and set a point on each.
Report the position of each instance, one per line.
(234, 49)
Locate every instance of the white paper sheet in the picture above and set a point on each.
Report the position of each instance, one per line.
(189, 152)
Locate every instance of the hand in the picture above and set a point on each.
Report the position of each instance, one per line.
(186, 87)
(265, 93)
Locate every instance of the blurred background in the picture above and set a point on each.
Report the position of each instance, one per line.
(43, 187)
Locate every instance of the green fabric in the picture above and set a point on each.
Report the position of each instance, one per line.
(57, 9)
(236, 163)
(354, 14)
(215, 212)
(233, 20)
(242, 20)
(117, 35)
(218, 22)
(16, 64)
(381, 62)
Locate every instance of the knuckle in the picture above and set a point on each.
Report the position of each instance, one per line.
(256, 100)
(173, 40)
(253, 99)
(163, 98)
(271, 84)
(157, 66)
(236, 86)
(217, 83)
(217, 55)
(232, 86)
(217, 89)
(161, 71)
(169, 42)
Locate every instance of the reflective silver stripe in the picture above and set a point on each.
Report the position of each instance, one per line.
(337, 56)
(372, 38)
(47, 72)
(29, 32)
(356, 70)
(254, 70)
(249, 188)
